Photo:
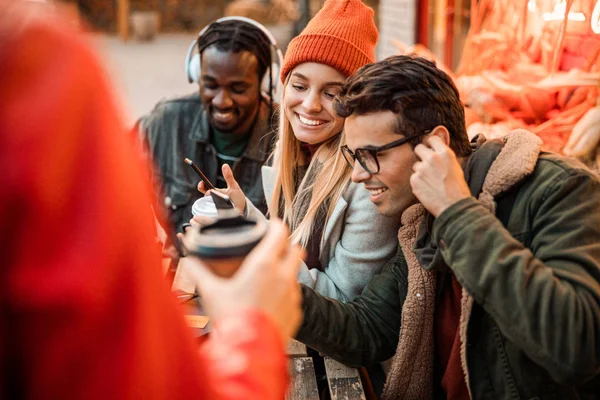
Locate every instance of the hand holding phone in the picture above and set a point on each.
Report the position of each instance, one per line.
(198, 171)
(233, 193)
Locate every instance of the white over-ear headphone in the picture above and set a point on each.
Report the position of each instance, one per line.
(192, 59)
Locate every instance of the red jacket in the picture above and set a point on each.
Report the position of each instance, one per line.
(84, 311)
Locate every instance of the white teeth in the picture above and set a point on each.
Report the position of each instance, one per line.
(310, 122)
(377, 191)
(222, 115)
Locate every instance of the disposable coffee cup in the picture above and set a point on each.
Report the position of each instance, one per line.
(205, 207)
(224, 244)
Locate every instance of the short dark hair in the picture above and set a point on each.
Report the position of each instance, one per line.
(421, 95)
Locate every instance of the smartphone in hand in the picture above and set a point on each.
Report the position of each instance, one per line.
(222, 201)
(198, 171)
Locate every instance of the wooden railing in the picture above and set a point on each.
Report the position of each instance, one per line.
(343, 382)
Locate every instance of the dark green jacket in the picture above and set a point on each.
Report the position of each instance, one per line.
(533, 270)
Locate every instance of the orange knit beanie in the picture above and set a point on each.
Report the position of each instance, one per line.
(342, 35)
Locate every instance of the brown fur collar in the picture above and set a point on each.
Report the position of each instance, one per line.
(411, 373)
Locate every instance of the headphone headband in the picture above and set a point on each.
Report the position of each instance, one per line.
(252, 22)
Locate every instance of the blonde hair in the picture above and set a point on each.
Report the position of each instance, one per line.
(324, 182)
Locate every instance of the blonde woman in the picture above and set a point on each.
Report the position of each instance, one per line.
(308, 185)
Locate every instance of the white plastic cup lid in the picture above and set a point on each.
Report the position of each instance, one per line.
(205, 207)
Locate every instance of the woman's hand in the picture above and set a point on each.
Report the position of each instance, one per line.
(233, 190)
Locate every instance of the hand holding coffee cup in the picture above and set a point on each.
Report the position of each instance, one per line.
(204, 212)
(265, 281)
(224, 244)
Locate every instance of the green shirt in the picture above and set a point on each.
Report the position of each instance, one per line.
(230, 147)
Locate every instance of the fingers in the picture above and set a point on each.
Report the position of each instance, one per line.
(276, 240)
(414, 182)
(418, 166)
(201, 187)
(423, 151)
(271, 248)
(292, 311)
(228, 175)
(296, 314)
(287, 269)
(194, 224)
(437, 144)
(291, 262)
(200, 220)
(432, 151)
(430, 146)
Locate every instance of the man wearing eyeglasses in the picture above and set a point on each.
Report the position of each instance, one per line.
(496, 291)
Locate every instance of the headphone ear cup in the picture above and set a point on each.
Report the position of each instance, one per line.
(274, 74)
(277, 62)
(194, 69)
(275, 69)
(264, 85)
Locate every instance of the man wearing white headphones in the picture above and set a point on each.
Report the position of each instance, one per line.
(226, 122)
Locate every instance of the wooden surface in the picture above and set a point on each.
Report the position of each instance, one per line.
(344, 382)
(304, 381)
(296, 349)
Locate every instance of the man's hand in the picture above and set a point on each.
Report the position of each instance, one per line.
(233, 190)
(266, 281)
(438, 180)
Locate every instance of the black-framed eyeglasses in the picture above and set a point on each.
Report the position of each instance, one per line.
(367, 156)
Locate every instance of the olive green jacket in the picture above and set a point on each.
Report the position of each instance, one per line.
(527, 254)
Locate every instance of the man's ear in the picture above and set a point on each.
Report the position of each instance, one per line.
(441, 132)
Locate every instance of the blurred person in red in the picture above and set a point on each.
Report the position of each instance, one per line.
(84, 311)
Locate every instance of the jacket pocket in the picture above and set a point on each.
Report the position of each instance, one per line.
(504, 366)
